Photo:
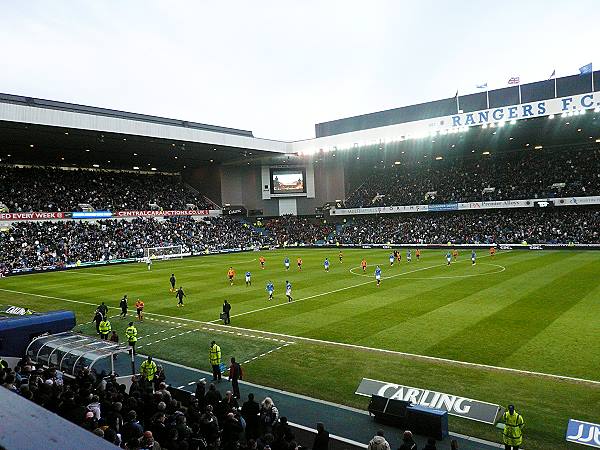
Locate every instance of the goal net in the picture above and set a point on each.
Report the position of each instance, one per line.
(159, 253)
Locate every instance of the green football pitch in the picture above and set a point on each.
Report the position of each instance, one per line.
(526, 322)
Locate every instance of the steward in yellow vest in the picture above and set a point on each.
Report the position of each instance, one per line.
(513, 430)
(104, 328)
(214, 357)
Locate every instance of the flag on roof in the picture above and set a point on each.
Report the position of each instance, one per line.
(514, 80)
(585, 69)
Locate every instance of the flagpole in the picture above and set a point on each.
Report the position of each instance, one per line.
(487, 98)
(519, 92)
(457, 105)
(555, 94)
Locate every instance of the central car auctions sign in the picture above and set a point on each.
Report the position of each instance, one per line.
(32, 216)
(186, 212)
(457, 406)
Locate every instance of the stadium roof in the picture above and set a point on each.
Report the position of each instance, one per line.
(63, 106)
(529, 92)
(44, 132)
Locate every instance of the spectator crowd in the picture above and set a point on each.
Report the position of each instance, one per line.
(40, 244)
(292, 230)
(43, 244)
(531, 173)
(561, 225)
(46, 189)
(148, 417)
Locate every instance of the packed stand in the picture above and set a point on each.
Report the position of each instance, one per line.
(148, 417)
(561, 225)
(292, 230)
(49, 189)
(513, 175)
(43, 244)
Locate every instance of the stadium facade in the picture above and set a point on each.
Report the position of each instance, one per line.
(232, 167)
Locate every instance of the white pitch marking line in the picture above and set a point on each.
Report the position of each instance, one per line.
(345, 288)
(414, 355)
(341, 344)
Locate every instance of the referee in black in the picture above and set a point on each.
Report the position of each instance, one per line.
(180, 294)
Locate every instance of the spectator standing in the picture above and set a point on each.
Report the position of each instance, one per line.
(235, 374)
(408, 442)
(212, 397)
(132, 430)
(378, 442)
(231, 432)
(269, 415)
(251, 414)
(321, 441)
(147, 442)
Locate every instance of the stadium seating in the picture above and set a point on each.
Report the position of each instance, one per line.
(290, 230)
(523, 174)
(39, 244)
(561, 225)
(45, 189)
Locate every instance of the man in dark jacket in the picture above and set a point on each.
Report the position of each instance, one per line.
(132, 428)
(250, 413)
(212, 396)
(231, 432)
(235, 374)
(226, 312)
(322, 438)
(98, 317)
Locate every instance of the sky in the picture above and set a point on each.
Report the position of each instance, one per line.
(279, 67)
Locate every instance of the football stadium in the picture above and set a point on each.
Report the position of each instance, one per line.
(424, 277)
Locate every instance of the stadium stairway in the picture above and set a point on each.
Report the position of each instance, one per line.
(355, 427)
